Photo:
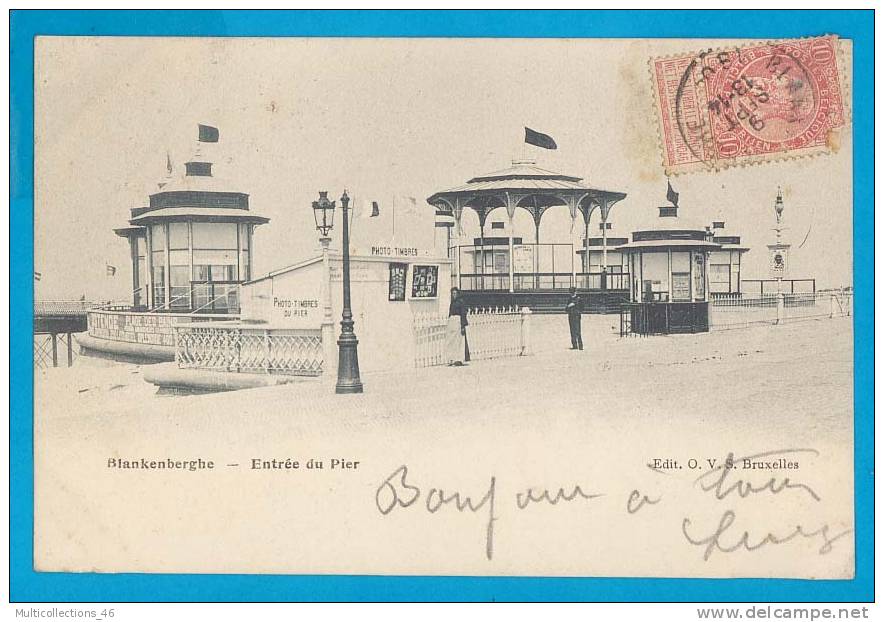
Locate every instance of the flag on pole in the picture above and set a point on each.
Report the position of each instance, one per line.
(671, 195)
(208, 134)
(111, 270)
(375, 210)
(37, 275)
(539, 140)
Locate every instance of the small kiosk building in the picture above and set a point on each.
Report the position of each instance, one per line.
(191, 247)
(668, 266)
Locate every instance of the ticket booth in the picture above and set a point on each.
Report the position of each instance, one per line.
(389, 289)
(668, 266)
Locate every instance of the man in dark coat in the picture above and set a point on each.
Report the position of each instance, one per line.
(574, 309)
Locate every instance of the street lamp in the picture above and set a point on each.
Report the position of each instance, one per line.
(324, 214)
(348, 357)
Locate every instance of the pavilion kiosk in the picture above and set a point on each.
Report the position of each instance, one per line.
(390, 289)
(669, 288)
(191, 247)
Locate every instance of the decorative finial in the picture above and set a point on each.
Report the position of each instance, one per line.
(778, 205)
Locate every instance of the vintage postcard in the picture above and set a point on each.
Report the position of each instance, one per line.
(475, 307)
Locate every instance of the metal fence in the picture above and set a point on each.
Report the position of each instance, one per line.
(491, 333)
(728, 313)
(143, 327)
(234, 348)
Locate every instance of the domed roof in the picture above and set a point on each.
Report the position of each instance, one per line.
(524, 177)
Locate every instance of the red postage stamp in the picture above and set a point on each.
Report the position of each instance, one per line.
(720, 108)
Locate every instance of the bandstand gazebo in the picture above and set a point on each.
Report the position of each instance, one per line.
(501, 268)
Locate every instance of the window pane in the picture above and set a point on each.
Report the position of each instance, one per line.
(201, 296)
(159, 296)
(157, 237)
(180, 297)
(209, 235)
(223, 272)
(140, 246)
(244, 235)
(681, 262)
(180, 276)
(179, 258)
(214, 257)
(178, 235)
(200, 272)
(245, 267)
(159, 275)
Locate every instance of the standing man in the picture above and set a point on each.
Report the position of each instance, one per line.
(456, 330)
(574, 309)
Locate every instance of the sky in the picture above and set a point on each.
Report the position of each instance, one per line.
(382, 118)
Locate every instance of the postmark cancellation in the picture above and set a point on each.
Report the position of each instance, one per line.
(757, 103)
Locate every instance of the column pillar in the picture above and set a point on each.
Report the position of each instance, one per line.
(329, 365)
(168, 276)
(148, 268)
(510, 212)
(585, 266)
(538, 214)
(481, 254)
(605, 208)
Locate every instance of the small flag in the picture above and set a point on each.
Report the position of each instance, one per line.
(410, 206)
(168, 163)
(375, 210)
(38, 275)
(208, 134)
(671, 195)
(111, 270)
(539, 140)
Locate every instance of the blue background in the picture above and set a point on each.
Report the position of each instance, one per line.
(26, 585)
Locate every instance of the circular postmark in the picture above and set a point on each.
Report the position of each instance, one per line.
(757, 100)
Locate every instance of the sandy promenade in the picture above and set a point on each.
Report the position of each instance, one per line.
(556, 418)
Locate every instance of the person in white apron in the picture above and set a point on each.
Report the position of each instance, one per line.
(456, 330)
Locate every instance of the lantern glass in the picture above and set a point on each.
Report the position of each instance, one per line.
(324, 213)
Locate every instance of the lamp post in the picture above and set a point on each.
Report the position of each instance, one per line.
(348, 357)
(779, 255)
(324, 214)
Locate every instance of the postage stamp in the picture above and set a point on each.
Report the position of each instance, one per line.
(721, 108)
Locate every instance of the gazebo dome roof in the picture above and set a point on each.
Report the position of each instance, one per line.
(528, 185)
(523, 175)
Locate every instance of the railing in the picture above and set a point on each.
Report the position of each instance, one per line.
(774, 309)
(761, 287)
(142, 327)
(491, 333)
(542, 281)
(235, 348)
(65, 308)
